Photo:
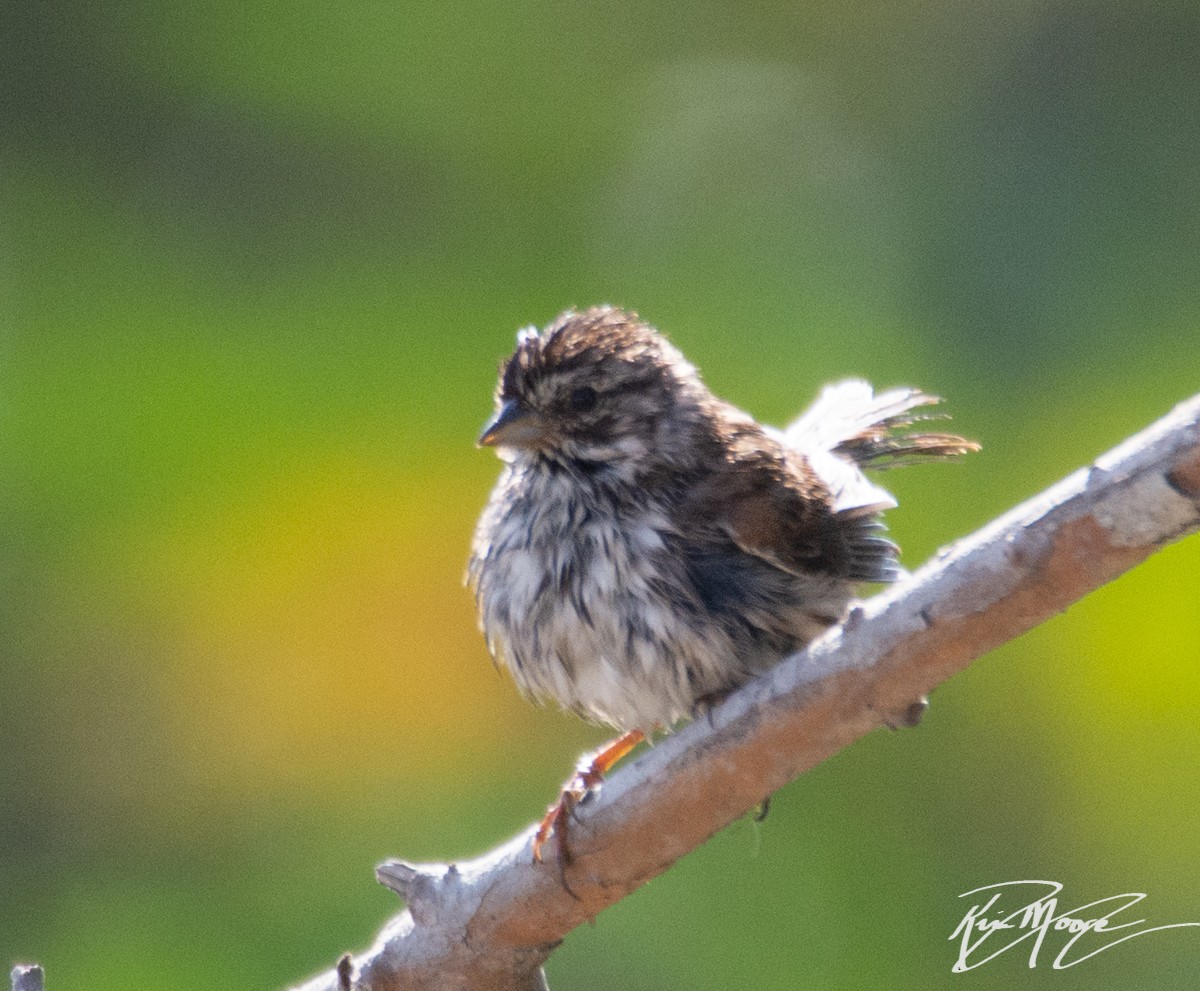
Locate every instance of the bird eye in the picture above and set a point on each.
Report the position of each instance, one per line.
(583, 399)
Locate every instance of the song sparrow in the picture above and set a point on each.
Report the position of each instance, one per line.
(650, 547)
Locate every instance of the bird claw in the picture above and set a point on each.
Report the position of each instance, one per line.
(586, 780)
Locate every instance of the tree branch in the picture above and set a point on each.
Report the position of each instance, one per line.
(27, 977)
(490, 923)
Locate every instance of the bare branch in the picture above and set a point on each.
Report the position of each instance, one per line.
(489, 924)
(27, 977)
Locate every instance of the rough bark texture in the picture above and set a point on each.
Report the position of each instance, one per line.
(489, 924)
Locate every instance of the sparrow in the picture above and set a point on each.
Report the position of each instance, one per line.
(650, 547)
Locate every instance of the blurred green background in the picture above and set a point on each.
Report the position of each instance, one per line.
(258, 263)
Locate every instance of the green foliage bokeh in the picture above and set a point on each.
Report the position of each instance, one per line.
(258, 263)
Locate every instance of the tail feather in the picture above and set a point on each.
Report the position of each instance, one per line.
(849, 428)
(849, 420)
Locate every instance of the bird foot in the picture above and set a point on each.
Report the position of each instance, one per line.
(588, 775)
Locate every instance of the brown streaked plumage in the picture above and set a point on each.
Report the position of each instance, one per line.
(650, 547)
(648, 544)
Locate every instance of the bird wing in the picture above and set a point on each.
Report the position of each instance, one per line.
(769, 500)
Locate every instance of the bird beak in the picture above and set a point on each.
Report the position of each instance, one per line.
(514, 425)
